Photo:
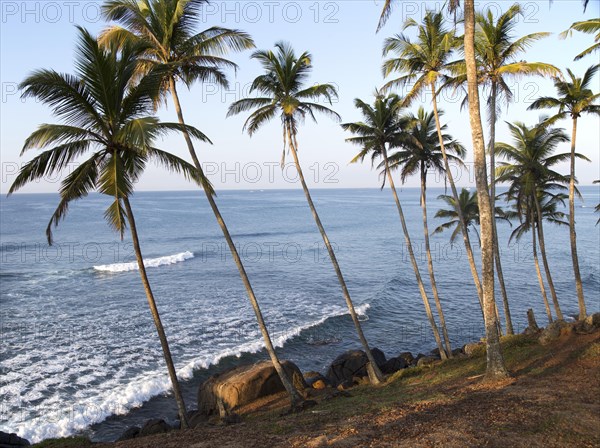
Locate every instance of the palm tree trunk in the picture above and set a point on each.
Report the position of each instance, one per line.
(436, 296)
(539, 274)
(375, 375)
(498, 263)
(463, 226)
(295, 397)
(156, 317)
(495, 361)
(557, 310)
(413, 260)
(573, 233)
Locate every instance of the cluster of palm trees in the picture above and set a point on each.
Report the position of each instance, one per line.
(107, 114)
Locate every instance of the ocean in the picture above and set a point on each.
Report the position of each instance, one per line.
(79, 353)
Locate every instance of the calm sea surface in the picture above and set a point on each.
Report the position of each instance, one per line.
(79, 351)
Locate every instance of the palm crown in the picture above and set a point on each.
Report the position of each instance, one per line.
(531, 161)
(168, 28)
(424, 60)
(282, 89)
(419, 147)
(104, 113)
(574, 96)
(381, 127)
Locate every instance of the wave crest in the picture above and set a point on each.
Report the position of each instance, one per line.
(148, 262)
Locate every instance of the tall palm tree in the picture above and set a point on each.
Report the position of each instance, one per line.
(497, 51)
(419, 153)
(284, 93)
(575, 98)
(590, 26)
(528, 218)
(469, 205)
(382, 128)
(422, 64)
(167, 27)
(105, 113)
(529, 167)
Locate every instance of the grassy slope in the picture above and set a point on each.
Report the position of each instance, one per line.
(552, 400)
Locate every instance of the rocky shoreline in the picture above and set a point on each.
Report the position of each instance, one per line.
(222, 396)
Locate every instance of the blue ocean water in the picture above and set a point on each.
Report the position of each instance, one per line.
(79, 351)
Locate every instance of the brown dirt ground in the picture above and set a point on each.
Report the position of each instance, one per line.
(552, 400)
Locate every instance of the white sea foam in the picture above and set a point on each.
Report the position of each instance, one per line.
(148, 262)
(117, 398)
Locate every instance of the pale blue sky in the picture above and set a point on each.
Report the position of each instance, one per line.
(346, 51)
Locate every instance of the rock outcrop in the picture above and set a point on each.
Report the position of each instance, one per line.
(244, 384)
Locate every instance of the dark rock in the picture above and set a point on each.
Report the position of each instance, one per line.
(10, 440)
(316, 380)
(587, 325)
(379, 356)
(130, 433)
(352, 363)
(554, 331)
(232, 419)
(244, 384)
(458, 352)
(393, 365)
(427, 361)
(407, 356)
(415, 360)
(154, 426)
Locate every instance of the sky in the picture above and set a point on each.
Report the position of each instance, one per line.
(346, 52)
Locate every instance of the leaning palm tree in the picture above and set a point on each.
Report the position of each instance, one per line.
(497, 54)
(528, 221)
(575, 99)
(422, 64)
(382, 128)
(419, 153)
(105, 113)
(529, 167)
(495, 367)
(591, 26)
(284, 93)
(167, 28)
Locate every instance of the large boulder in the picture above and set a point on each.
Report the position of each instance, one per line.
(554, 331)
(244, 384)
(10, 440)
(351, 364)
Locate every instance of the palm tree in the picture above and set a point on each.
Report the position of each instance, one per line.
(284, 93)
(167, 27)
(575, 98)
(104, 112)
(590, 26)
(382, 128)
(420, 152)
(528, 218)
(529, 167)
(423, 63)
(469, 205)
(497, 52)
